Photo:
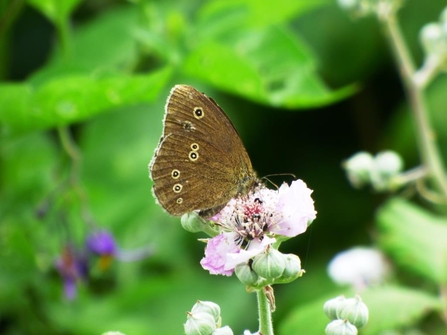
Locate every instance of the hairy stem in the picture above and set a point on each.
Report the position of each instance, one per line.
(265, 314)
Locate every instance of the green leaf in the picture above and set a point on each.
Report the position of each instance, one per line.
(415, 238)
(270, 66)
(216, 15)
(73, 98)
(107, 42)
(55, 10)
(394, 307)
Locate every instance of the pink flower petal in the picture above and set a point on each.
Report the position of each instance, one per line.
(216, 252)
(297, 208)
(255, 248)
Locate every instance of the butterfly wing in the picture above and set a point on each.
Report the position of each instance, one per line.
(200, 163)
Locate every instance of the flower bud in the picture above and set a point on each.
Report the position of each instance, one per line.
(192, 222)
(269, 264)
(292, 269)
(355, 311)
(348, 5)
(340, 327)
(358, 7)
(207, 307)
(199, 324)
(331, 307)
(387, 164)
(223, 331)
(358, 169)
(433, 39)
(245, 274)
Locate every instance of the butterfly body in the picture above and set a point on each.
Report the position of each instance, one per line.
(200, 162)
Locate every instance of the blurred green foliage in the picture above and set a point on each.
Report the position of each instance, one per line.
(305, 85)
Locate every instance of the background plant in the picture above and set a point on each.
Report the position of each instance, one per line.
(81, 99)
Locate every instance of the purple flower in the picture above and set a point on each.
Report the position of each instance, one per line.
(249, 223)
(72, 267)
(101, 243)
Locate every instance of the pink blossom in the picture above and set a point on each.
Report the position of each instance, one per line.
(250, 223)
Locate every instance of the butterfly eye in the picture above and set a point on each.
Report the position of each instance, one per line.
(175, 174)
(193, 156)
(177, 188)
(198, 113)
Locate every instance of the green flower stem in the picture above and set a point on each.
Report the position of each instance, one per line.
(75, 156)
(265, 314)
(72, 151)
(427, 72)
(425, 135)
(409, 176)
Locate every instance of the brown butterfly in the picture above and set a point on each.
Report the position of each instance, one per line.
(200, 162)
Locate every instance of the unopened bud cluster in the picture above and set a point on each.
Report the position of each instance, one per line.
(433, 38)
(378, 171)
(347, 315)
(367, 7)
(269, 267)
(204, 319)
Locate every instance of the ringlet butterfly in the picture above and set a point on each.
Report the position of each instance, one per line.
(200, 162)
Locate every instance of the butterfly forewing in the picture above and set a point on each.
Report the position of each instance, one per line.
(200, 163)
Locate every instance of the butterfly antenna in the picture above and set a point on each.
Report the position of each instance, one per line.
(265, 178)
(277, 174)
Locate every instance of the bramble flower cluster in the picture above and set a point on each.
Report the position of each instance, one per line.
(380, 171)
(204, 318)
(249, 229)
(346, 314)
(381, 8)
